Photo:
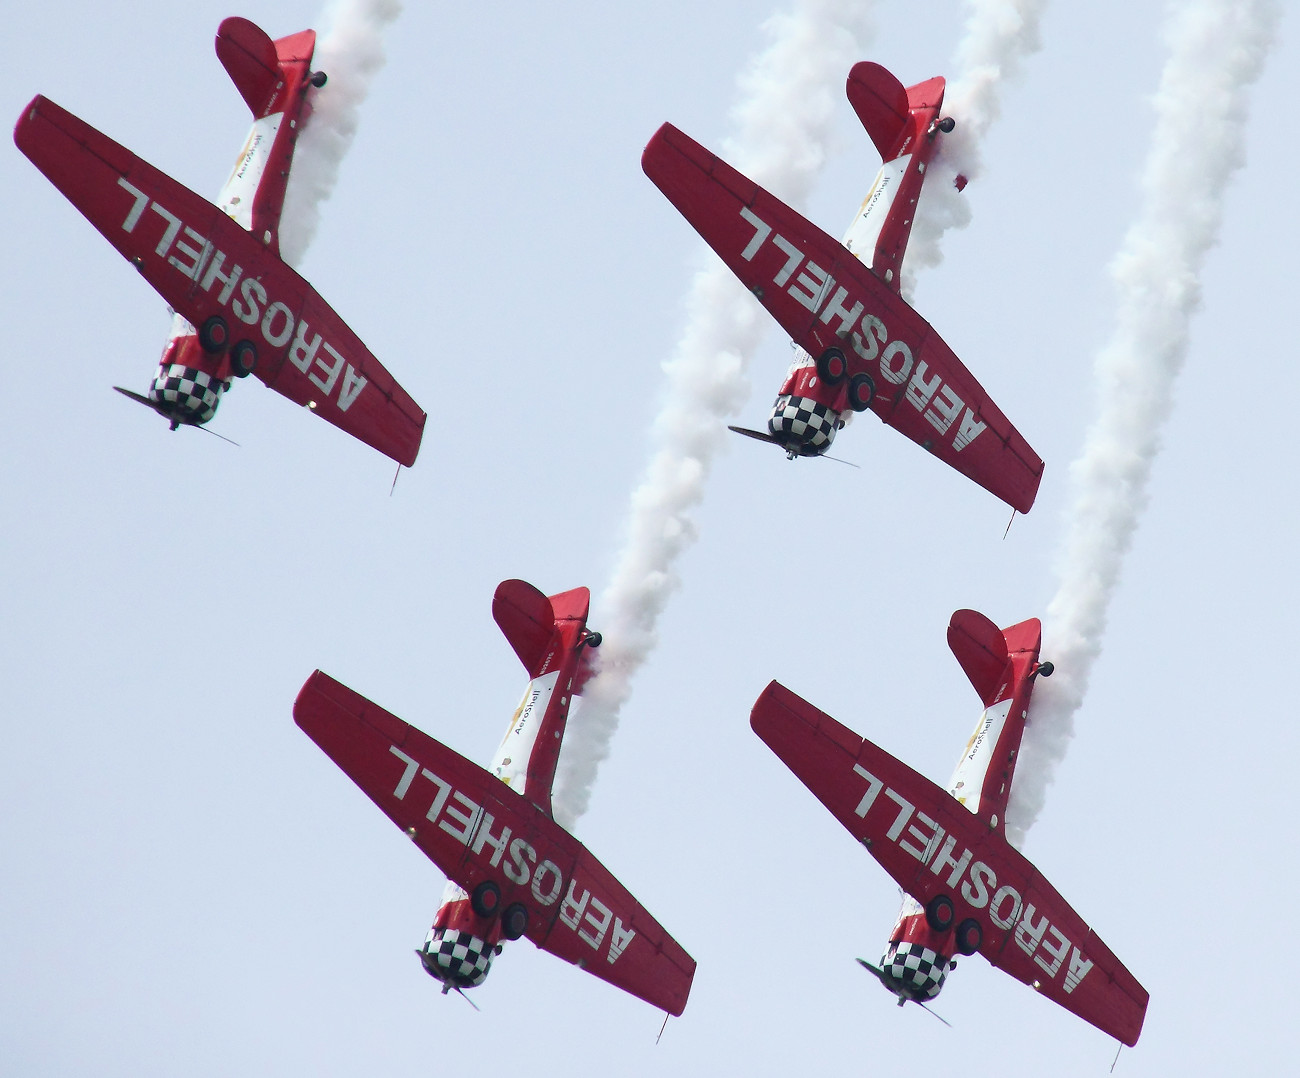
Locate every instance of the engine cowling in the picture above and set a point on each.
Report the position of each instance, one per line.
(804, 426)
(460, 946)
(459, 959)
(918, 971)
(186, 393)
(918, 958)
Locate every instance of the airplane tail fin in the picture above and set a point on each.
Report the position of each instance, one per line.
(885, 106)
(528, 618)
(985, 651)
(253, 61)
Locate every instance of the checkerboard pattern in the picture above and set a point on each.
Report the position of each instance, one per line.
(187, 393)
(803, 422)
(918, 969)
(463, 959)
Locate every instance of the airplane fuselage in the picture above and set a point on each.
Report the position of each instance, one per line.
(921, 947)
(198, 364)
(467, 931)
(815, 399)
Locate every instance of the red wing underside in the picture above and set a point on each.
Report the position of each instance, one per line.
(474, 828)
(202, 263)
(823, 297)
(931, 845)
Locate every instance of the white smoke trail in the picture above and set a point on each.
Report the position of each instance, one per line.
(999, 35)
(790, 95)
(351, 53)
(1217, 49)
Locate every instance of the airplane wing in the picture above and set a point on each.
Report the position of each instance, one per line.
(204, 264)
(475, 828)
(931, 845)
(823, 297)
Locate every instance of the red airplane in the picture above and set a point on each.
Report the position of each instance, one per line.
(967, 888)
(219, 267)
(840, 302)
(513, 871)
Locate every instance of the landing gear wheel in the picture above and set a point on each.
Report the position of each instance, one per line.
(514, 922)
(831, 366)
(485, 899)
(243, 359)
(214, 334)
(947, 124)
(862, 391)
(939, 913)
(969, 936)
(318, 79)
(593, 640)
(1045, 670)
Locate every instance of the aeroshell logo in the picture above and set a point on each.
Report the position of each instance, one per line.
(247, 299)
(467, 822)
(920, 836)
(850, 318)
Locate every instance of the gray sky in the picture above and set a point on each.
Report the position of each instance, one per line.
(191, 887)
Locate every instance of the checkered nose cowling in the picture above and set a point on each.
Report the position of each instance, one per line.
(456, 958)
(918, 970)
(802, 425)
(186, 393)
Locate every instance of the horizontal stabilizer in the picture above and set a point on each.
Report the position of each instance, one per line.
(981, 649)
(524, 615)
(529, 619)
(880, 101)
(248, 55)
(252, 60)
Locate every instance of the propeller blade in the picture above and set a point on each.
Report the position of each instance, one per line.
(140, 398)
(879, 973)
(757, 435)
(928, 1011)
(881, 977)
(763, 436)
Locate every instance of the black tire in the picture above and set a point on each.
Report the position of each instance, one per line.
(947, 124)
(862, 391)
(514, 922)
(969, 936)
(939, 913)
(832, 367)
(1045, 669)
(594, 640)
(214, 334)
(243, 359)
(318, 79)
(485, 899)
